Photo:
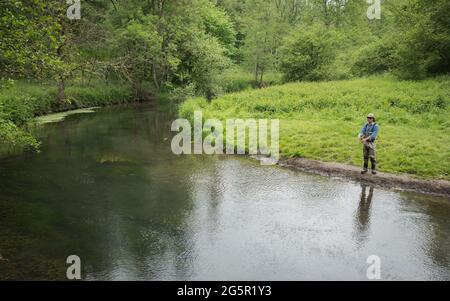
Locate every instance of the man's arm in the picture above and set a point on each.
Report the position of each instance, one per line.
(375, 133)
(361, 133)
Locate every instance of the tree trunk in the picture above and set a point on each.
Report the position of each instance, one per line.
(155, 77)
(61, 90)
(325, 8)
(261, 78)
(256, 71)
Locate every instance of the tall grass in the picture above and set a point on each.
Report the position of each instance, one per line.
(238, 79)
(321, 120)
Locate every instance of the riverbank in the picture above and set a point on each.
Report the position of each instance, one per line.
(386, 180)
(320, 121)
(23, 101)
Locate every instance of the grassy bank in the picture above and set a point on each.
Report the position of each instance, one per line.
(20, 103)
(321, 120)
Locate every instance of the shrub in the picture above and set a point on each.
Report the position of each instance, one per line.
(308, 53)
(377, 57)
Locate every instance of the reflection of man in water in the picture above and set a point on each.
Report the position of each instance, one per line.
(363, 213)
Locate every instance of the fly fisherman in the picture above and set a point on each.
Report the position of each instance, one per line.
(368, 135)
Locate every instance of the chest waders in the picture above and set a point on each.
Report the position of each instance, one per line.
(369, 150)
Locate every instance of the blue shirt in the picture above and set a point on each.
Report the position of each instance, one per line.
(370, 130)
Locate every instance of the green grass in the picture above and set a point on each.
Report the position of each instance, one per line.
(238, 79)
(23, 101)
(322, 120)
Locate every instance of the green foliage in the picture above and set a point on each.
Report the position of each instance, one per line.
(376, 57)
(138, 45)
(423, 43)
(321, 120)
(14, 138)
(170, 43)
(218, 24)
(173, 45)
(98, 95)
(207, 61)
(308, 53)
(29, 38)
(263, 31)
(23, 101)
(238, 79)
(187, 109)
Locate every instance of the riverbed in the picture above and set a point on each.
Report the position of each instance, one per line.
(107, 188)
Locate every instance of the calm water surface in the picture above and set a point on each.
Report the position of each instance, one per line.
(107, 188)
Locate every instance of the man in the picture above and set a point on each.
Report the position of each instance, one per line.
(368, 135)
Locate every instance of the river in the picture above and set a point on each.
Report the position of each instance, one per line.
(107, 188)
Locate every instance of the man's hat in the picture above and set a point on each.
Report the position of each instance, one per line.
(371, 115)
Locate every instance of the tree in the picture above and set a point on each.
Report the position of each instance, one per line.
(424, 28)
(172, 44)
(138, 45)
(263, 31)
(28, 38)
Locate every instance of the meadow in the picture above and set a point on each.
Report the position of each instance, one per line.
(321, 120)
(238, 79)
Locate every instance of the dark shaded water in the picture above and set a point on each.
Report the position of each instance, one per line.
(107, 188)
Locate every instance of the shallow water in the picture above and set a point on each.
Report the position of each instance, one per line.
(107, 188)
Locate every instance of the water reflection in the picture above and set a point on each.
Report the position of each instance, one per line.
(362, 215)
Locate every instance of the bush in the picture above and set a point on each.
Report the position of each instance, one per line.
(308, 53)
(190, 106)
(423, 47)
(209, 62)
(377, 57)
(14, 138)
